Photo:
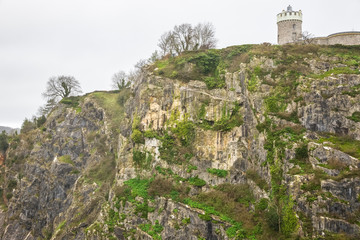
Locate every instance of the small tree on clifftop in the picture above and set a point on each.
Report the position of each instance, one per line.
(61, 87)
(307, 37)
(120, 80)
(58, 88)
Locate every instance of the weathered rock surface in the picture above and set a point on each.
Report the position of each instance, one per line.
(88, 173)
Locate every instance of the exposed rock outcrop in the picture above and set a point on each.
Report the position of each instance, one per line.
(248, 142)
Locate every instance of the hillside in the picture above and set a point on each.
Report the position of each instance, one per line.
(246, 142)
(9, 130)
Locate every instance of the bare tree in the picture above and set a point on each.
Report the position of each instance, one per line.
(61, 87)
(120, 80)
(186, 38)
(58, 88)
(154, 57)
(140, 65)
(183, 35)
(165, 43)
(307, 37)
(204, 36)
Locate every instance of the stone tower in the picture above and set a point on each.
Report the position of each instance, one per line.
(289, 26)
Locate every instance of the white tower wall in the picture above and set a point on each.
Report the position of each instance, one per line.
(289, 26)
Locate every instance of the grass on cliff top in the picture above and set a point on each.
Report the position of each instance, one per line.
(113, 104)
(345, 144)
(73, 102)
(211, 65)
(205, 65)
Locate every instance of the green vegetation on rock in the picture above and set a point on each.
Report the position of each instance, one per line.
(345, 144)
(196, 181)
(152, 230)
(228, 120)
(66, 159)
(355, 117)
(218, 172)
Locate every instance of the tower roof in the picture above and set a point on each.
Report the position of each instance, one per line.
(289, 14)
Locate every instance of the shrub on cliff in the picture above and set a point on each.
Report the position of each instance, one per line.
(4, 144)
(27, 126)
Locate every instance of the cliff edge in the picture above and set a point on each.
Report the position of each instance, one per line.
(246, 142)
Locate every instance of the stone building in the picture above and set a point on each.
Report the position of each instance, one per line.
(290, 31)
(289, 26)
(344, 38)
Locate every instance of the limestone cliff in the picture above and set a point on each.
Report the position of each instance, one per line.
(247, 142)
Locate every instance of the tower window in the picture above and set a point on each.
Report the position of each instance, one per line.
(294, 26)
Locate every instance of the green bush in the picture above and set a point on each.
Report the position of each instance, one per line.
(262, 204)
(137, 136)
(142, 159)
(261, 127)
(40, 121)
(174, 74)
(27, 126)
(301, 153)
(139, 187)
(311, 186)
(214, 82)
(66, 159)
(272, 219)
(289, 222)
(275, 103)
(202, 112)
(143, 208)
(236, 231)
(151, 134)
(196, 181)
(191, 168)
(4, 143)
(218, 172)
(168, 150)
(152, 230)
(252, 83)
(12, 184)
(206, 62)
(184, 131)
(185, 221)
(355, 117)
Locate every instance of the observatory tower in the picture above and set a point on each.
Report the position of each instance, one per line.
(289, 26)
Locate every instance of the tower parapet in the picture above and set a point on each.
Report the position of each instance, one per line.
(285, 15)
(289, 26)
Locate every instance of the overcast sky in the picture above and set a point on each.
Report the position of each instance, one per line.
(93, 39)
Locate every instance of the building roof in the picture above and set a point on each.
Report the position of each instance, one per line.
(349, 32)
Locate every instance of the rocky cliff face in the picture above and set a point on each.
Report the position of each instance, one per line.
(247, 142)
